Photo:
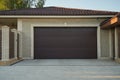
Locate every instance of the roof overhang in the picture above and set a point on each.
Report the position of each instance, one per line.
(25, 16)
(113, 22)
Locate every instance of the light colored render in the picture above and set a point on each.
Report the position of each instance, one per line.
(104, 43)
(19, 27)
(27, 32)
(5, 43)
(116, 43)
(111, 43)
(98, 43)
(35, 17)
(15, 42)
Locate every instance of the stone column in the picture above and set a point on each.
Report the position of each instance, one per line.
(15, 42)
(116, 43)
(20, 44)
(19, 28)
(98, 43)
(5, 43)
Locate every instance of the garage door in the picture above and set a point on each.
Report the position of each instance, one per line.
(65, 43)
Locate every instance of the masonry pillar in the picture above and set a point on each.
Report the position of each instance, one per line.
(19, 28)
(116, 43)
(5, 43)
(15, 43)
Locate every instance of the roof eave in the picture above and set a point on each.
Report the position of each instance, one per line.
(46, 16)
(113, 22)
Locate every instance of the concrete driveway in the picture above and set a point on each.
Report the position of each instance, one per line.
(62, 70)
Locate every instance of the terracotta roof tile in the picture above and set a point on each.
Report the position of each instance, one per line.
(55, 11)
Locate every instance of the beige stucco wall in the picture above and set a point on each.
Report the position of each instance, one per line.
(105, 46)
(118, 33)
(27, 25)
(112, 49)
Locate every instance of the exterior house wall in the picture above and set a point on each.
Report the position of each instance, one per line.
(27, 32)
(118, 42)
(112, 47)
(0, 44)
(105, 46)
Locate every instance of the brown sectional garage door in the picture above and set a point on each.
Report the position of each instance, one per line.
(65, 43)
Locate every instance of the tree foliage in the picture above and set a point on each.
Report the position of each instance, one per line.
(40, 3)
(19, 4)
(2, 6)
